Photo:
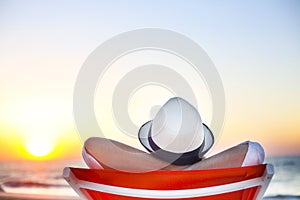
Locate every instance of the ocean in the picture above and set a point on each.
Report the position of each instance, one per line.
(46, 178)
(285, 183)
(36, 177)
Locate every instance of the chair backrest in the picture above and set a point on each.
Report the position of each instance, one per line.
(245, 183)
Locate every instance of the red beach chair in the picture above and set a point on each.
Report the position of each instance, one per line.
(245, 183)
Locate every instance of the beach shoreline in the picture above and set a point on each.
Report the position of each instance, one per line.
(17, 196)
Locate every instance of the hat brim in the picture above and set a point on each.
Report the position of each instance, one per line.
(144, 134)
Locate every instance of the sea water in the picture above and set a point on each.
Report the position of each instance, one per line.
(36, 177)
(285, 183)
(46, 177)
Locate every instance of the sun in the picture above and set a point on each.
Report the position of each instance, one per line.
(39, 147)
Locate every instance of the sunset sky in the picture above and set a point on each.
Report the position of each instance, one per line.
(255, 46)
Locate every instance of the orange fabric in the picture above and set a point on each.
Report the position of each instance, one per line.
(170, 180)
(247, 194)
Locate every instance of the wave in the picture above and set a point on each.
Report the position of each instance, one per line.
(282, 197)
(15, 184)
(288, 163)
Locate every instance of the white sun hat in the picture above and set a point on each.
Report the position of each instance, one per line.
(176, 134)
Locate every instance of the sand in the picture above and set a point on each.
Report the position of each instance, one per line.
(12, 196)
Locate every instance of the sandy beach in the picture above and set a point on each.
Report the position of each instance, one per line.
(13, 196)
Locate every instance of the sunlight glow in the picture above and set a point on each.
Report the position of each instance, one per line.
(39, 147)
(40, 124)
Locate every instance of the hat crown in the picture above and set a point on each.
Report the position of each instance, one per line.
(177, 127)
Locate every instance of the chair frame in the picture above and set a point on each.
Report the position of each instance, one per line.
(262, 181)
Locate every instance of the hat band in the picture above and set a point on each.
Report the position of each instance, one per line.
(186, 158)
